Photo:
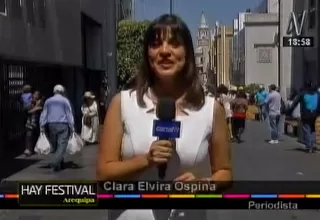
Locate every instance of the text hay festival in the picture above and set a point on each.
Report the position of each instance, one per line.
(58, 189)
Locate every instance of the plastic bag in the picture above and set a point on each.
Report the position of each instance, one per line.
(75, 144)
(43, 145)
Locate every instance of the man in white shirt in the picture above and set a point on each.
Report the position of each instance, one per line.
(273, 102)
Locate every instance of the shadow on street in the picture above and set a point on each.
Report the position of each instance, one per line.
(13, 165)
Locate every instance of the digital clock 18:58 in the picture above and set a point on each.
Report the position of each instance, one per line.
(298, 42)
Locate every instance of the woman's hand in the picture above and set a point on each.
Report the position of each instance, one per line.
(186, 177)
(160, 152)
(191, 177)
(39, 103)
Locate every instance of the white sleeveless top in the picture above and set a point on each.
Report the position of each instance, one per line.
(191, 148)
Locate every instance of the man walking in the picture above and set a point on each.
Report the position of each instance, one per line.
(273, 103)
(309, 111)
(58, 118)
(260, 97)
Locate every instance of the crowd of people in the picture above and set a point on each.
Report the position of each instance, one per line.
(55, 117)
(303, 106)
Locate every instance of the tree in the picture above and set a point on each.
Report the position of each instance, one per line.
(252, 88)
(129, 49)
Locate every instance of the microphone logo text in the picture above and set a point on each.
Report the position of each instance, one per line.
(166, 129)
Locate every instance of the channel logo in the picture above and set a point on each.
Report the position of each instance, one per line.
(166, 129)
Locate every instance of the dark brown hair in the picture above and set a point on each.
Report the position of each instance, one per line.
(222, 89)
(194, 98)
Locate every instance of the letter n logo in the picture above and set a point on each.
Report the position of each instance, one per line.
(296, 23)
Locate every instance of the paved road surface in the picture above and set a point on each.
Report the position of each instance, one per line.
(252, 160)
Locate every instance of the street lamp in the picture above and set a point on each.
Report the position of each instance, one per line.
(171, 7)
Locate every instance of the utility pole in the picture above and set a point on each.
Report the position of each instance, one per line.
(171, 7)
(133, 10)
(279, 41)
(111, 49)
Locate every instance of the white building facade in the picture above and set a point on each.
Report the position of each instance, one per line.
(264, 60)
(255, 56)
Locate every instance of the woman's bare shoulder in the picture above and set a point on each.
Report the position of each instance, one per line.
(115, 102)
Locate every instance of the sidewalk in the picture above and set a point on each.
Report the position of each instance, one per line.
(78, 167)
(82, 167)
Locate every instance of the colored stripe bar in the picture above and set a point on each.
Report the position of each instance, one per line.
(209, 196)
(154, 196)
(264, 196)
(104, 196)
(1, 196)
(236, 196)
(128, 196)
(181, 196)
(11, 196)
(291, 196)
(313, 196)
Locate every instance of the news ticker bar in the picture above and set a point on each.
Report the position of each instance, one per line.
(161, 202)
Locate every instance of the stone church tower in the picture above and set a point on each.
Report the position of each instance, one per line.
(203, 49)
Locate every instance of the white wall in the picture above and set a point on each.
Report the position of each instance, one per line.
(259, 38)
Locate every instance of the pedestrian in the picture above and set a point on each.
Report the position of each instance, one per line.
(239, 108)
(90, 119)
(128, 151)
(58, 118)
(32, 124)
(224, 100)
(296, 111)
(26, 96)
(309, 111)
(260, 98)
(273, 103)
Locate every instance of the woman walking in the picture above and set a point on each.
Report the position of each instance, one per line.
(90, 119)
(224, 99)
(32, 124)
(239, 108)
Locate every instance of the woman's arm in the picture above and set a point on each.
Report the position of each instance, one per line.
(220, 155)
(109, 164)
(35, 109)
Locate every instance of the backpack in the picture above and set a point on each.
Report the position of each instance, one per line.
(311, 102)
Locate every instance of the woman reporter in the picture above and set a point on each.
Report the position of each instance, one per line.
(128, 151)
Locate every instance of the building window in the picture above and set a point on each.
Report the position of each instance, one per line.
(16, 9)
(264, 55)
(41, 5)
(3, 7)
(30, 6)
(312, 16)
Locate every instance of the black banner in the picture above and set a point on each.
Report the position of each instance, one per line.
(254, 204)
(69, 194)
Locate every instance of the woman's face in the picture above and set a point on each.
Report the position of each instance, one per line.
(167, 57)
